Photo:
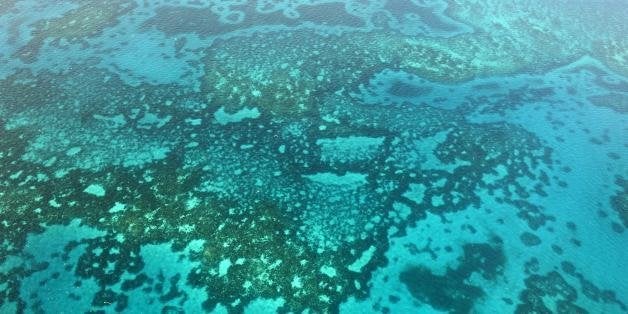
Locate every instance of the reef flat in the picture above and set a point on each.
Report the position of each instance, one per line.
(313, 156)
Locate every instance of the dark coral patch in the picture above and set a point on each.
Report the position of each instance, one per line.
(404, 11)
(446, 292)
(530, 239)
(619, 201)
(615, 101)
(90, 19)
(174, 20)
(403, 89)
(451, 291)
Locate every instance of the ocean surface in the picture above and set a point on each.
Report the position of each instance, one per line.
(313, 156)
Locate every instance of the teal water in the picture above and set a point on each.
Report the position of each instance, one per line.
(318, 156)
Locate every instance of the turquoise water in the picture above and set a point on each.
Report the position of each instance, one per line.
(313, 156)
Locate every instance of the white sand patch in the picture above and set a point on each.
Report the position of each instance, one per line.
(364, 259)
(95, 189)
(349, 179)
(225, 118)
